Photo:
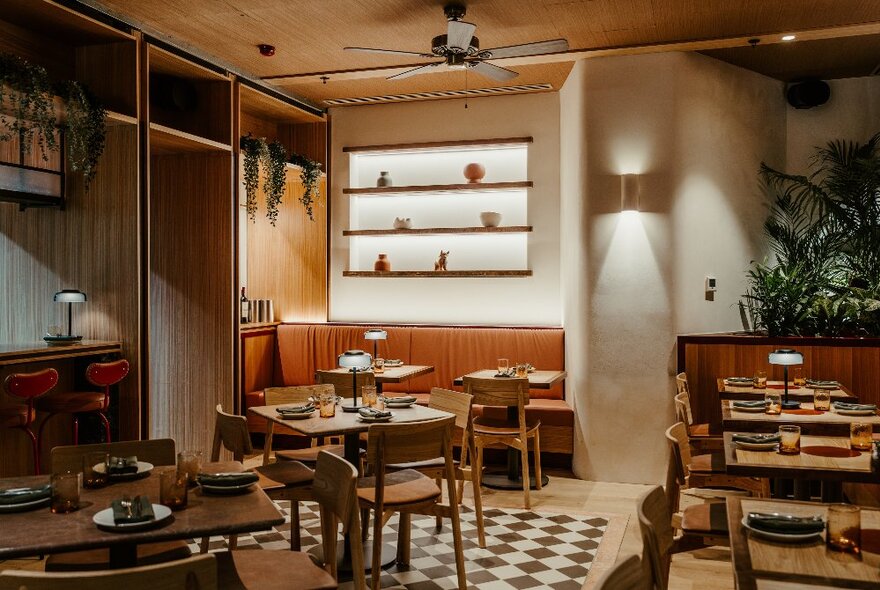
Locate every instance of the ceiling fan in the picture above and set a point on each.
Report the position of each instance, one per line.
(461, 50)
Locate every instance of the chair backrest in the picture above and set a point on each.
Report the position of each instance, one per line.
(160, 451)
(681, 383)
(454, 402)
(296, 394)
(655, 523)
(335, 488)
(107, 374)
(408, 442)
(681, 450)
(683, 408)
(497, 392)
(195, 573)
(342, 381)
(627, 574)
(231, 431)
(31, 385)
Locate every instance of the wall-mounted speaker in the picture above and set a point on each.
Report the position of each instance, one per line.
(807, 94)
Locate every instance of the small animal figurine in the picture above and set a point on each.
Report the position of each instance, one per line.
(441, 262)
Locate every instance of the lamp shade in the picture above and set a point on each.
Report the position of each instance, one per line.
(786, 356)
(70, 296)
(355, 359)
(375, 334)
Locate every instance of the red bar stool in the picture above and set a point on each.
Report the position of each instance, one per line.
(81, 402)
(28, 386)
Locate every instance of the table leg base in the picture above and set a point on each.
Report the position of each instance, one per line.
(343, 561)
(501, 481)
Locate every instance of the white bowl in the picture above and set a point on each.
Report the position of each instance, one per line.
(490, 218)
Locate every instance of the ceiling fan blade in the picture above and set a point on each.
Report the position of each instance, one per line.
(537, 48)
(415, 71)
(459, 34)
(389, 51)
(493, 71)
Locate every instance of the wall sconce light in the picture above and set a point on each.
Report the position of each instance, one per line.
(629, 192)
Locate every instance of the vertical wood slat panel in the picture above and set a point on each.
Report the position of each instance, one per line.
(258, 353)
(192, 336)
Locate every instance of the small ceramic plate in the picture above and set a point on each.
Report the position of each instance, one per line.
(828, 387)
(375, 420)
(226, 490)
(393, 404)
(104, 519)
(755, 409)
(25, 506)
(144, 469)
(389, 365)
(767, 446)
(782, 537)
(855, 412)
(740, 381)
(299, 416)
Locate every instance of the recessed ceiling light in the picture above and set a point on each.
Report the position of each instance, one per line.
(788, 37)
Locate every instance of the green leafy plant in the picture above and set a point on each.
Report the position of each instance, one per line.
(253, 149)
(276, 178)
(85, 129)
(781, 298)
(310, 174)
(273, 157)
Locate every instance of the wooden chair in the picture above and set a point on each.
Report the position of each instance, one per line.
(27, 386)
(70, 458)
(627, 574)
(408, 491)
(341, 382)
(699, 435)
(289, 480)
(195, 573)
(510, 393)
(460, 405)
(300, 394)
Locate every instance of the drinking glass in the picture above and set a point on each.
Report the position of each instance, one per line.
(503, 366)
(326, 404)
(378, 366)
(797, 377)
(860, 436)
(189, 463)
(760, 379)
(774, 403)
(93, 478)
(522, 371)
(790, 443)
(368, 392)
(172, 488)
(821, 400)
(844, 528)
(65, 492)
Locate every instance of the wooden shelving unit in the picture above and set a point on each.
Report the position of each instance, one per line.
(446, 274)
(437, 145)
(439, 188)
(165, 140)
(511, 229)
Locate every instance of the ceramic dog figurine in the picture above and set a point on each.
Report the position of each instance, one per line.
(441, 262)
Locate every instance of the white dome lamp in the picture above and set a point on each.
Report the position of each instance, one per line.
(786, 357)
(354, 360)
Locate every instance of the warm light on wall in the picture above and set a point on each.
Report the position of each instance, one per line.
(629, 192)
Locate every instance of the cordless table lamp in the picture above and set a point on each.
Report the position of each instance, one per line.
(375, 334)
(68, 296)
(787, 358)
(354, 360)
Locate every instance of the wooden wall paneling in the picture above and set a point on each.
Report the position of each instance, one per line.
(37, 48)
(258, 352)
(307, 139)
(110, 71)
(257, 126)
(235, 275)
(143, 90)
(192, 336)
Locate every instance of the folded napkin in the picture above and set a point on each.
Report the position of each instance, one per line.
(373, 413)
(131, 511)
(757, 438)
(758, 403)
(302, 409)
(857, 407)
(123, 465)
(786, 523)
(821, 383)
(228, 479)
(403, 399)
(21, 495)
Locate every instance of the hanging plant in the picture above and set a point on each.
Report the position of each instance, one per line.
(276, 178)
(252, 148)
(27, 90)
(85, 129)
(310, 174)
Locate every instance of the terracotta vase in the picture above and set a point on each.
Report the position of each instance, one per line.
(474, 172)
(382, 263)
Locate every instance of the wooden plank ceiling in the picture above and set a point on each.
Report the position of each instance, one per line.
(309, 35)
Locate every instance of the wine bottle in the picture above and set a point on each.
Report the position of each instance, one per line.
(245, 307)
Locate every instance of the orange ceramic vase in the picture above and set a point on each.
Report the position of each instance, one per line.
(382, 263)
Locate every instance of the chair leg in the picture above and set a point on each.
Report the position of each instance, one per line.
(233, 542)
(376, 570)
(524, 452)
(463, 465)
(404, 539)
(328, 541)
(106, 425)
(295, 534)
(456, 539)
(203, 545)
(476, 478)
(438, 525)
(75, 429)
(365, 524)
(537, 452)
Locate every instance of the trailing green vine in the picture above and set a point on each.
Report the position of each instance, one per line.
(252, 148)
(276, 178)
(274, 157)
(85, 129)
(310, 175)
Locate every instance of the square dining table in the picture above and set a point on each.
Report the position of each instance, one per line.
(400, 374)
(810, 420)
(40, 532)
(760, 564)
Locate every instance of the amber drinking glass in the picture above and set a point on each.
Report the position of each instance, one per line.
(65, 492)
(326, 404)
(774, 403)
(503, 366)
(790, 443)
(379, 366)
(368, 393)
(860, 436)
(93, 478)
(844, 528)
(797, 377)
(821, 400)
(760, 379)
(173, 488)
(189, 463)
(522, 371)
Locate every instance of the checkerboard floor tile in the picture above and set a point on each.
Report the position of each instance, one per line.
(524, 550)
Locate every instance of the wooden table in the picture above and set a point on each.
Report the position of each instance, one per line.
(399, 374)
(41, 532)
(798, 394)
(755, 559)
(823, 424)
(33, 352)
(511, 478)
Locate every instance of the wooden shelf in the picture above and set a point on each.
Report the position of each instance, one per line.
(265, 106)
(435, 145)
(439, 188)
(507, 229)
(60, 110)
(448, 274)
(165, 140)
(114, 119)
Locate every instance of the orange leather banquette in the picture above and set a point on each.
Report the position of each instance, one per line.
(301, 349)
